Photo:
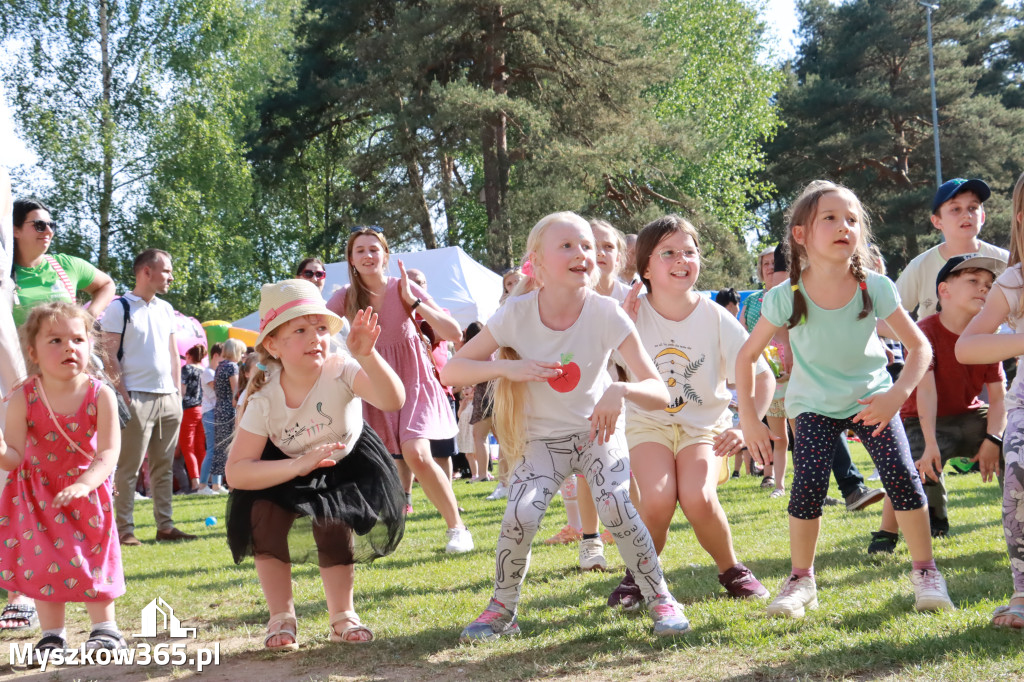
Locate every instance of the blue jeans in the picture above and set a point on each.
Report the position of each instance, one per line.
(204, 471)
(848, 476)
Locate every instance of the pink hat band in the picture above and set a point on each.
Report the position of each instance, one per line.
(274, 312)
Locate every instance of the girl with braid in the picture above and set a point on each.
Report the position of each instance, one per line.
(839, 381)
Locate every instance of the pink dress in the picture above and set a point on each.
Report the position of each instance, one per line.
(69, 554)
(427, 412)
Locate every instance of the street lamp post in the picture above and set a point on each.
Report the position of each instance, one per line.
(935, 109)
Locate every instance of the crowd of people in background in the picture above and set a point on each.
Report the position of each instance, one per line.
(605, 376)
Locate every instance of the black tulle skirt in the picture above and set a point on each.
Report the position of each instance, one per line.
(353, 512)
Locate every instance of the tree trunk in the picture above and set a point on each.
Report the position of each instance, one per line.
(420, 207)
(107, 144)
(447, 164)
(494, 140)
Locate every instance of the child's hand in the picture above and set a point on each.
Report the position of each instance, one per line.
(72, 492)
(632, 302)
(758, 439)
(729, 442)
(988, 460)
(606, 413)
(364, 333)
(318, 457)
(930, 464)
(404, 288)
(879, 410)
(532, 370)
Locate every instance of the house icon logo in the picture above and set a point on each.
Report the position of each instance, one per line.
(151, 614)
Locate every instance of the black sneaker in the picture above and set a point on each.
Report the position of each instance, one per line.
(883, 542)
(735, 474)
(940, 527)
(862, 497)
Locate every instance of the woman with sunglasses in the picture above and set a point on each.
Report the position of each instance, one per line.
(313, 270)
(40, 277)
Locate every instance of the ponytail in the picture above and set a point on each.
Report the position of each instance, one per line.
(264, 367)
(799, 314)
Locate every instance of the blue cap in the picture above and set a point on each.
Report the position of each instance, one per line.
(950, 188)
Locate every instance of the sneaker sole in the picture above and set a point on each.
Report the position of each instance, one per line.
(866, 501)
(934, 605)
(794, 613)
(672, 632)
(493, 637)
(596, 567)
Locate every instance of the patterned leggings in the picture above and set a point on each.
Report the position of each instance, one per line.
(1013, 495)
(816, 437)
(535, 481)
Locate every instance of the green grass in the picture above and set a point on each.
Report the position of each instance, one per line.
(418, 600)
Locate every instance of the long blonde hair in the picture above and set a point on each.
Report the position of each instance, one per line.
(803, 212)
(1017, 237)
(358, 297)
(510, 396)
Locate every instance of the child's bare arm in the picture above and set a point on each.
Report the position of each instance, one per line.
(376, 382)
(980, 343)
(12, 439)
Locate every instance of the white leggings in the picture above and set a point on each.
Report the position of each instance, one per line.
(537, 478)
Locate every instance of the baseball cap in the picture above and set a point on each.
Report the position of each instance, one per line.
(950, 188)
(970, 260)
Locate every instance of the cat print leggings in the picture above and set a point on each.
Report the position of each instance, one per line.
(816, 437)
(547, 462)
(1013, 494)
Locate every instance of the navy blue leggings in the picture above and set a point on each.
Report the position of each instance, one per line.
(816, 437)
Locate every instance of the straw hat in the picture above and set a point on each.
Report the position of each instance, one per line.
(283, 301)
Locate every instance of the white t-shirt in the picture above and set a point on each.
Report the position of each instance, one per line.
(209, 395)
(916, 285)
(146, 364)
(601, 327)
(1011, 283)
(330, 412)
(696, 357)
(619, 290)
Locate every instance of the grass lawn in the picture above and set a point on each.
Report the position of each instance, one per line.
(418, 600)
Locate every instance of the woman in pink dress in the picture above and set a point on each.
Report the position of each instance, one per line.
(426, 414)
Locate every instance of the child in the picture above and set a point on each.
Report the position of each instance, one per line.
(981, 343)
(838, 382)
(556, 410)
(304, 456)
(944, 416)
(225, 385)
(191, 437)
(959, 214)
(209, 420)
(675, 450)
(62, 442)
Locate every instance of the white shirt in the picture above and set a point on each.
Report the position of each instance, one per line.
(330, 412)
(209, 394)
(586, 346)
(146, 365)
(916, 284)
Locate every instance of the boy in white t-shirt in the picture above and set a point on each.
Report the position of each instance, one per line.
(958, 212)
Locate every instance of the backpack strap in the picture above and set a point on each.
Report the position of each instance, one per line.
(124, 327)
(61, 275)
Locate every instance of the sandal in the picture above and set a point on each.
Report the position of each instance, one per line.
(103, 638)
(24, 614)
(1014, 611)
(349, 634)
(285, 627)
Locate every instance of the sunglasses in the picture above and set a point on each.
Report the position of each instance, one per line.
(359, 228)
(313, 274)
(42, 225)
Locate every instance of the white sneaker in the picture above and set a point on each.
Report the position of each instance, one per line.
(460, 540)
(206, 490)
(930, 591)
(795, 595)
(140, 496)
(592, 555)
(499, 493)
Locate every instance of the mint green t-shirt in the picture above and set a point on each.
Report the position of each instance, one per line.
(40, 284)
(837, 359)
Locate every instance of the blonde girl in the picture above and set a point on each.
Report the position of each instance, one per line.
(981, 343)
(556, 409)
(60, 443)
(676, 450)
(303, 463)
(839, 382)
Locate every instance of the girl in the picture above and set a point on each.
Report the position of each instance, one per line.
(225, 385)
(303, 456)
(982, 343)
(60, 444)
(556, 410)
(839, 382)
(675, 450)
(426, 415)
(192, 437)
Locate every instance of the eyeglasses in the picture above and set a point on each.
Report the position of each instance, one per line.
(313, 274)
(42, 225)
(670, 255)
(359, 228)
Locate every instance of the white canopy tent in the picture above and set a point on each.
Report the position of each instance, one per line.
(455, 281)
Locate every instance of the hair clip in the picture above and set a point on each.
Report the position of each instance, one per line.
(863, 286)
(527, 268)
(261, 367)
(795, 287)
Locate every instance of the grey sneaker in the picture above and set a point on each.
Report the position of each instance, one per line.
(862, 497)
(930, 591)
(795, 596)
(496, 621)
(668, 616)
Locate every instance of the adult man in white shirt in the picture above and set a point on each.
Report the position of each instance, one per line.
(145, 367)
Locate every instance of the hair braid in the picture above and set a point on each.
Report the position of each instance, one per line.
(799, 314)
(857, 269)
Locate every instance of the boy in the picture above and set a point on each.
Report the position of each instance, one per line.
(944, 416)
(958, 212)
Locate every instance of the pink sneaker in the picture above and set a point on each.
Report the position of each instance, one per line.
(567, 536)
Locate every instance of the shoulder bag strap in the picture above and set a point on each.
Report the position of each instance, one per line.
(49, 411)
(62, 276)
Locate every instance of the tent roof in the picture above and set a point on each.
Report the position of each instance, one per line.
(455, 281)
